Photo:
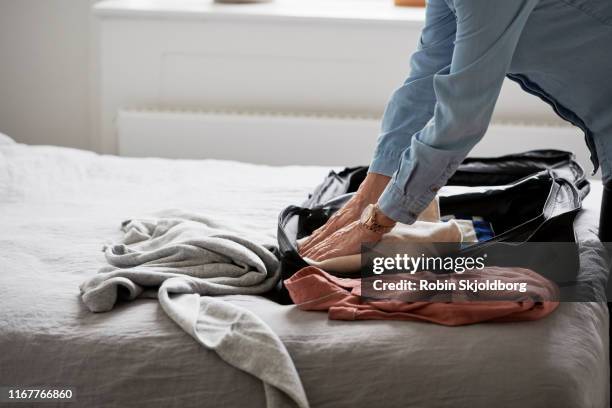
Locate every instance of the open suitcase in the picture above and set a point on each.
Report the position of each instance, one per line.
(527, 197)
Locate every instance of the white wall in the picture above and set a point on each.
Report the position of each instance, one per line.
(44, 71)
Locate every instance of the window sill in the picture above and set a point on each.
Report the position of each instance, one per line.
(333, 11)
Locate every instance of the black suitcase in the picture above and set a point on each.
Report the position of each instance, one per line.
(529, 197)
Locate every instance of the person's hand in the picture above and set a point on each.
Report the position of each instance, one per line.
(368, 193)
(345, 241)
(349, 213)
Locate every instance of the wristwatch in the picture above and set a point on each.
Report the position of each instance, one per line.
(370, 220)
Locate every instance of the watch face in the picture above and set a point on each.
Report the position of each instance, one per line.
(367, 213)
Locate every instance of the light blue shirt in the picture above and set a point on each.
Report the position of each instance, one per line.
(560, 50)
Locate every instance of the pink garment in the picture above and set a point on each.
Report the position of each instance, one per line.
(314, 289)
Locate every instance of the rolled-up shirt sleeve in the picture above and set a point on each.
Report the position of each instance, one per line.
(412, 104)
(487, 32)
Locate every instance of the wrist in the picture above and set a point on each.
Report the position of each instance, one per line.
(372, 187)
(374, 220)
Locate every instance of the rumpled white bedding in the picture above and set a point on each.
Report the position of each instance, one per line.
(57, 206)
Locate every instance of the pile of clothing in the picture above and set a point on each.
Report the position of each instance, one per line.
(186, 260)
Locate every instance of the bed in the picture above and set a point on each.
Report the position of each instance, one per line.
(58, 206)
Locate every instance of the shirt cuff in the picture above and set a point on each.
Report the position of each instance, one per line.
(385, 162)
(423, 171)
(402, 207)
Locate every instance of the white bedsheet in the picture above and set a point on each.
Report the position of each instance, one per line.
(58, 207)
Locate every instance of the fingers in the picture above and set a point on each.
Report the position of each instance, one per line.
(311, 241)
(307, 253)
(344, 241)
(326, 253)
(314, 239)
(346, 215)
(316, 249)
(329, 248)
(323, 249)
(321, 252)
(320, 234)
(340, 219)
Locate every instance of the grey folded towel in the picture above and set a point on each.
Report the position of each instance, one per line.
(187, 258)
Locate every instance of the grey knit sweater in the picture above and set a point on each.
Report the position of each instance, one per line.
(188, 259)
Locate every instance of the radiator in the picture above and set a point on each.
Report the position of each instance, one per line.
(285, 139)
